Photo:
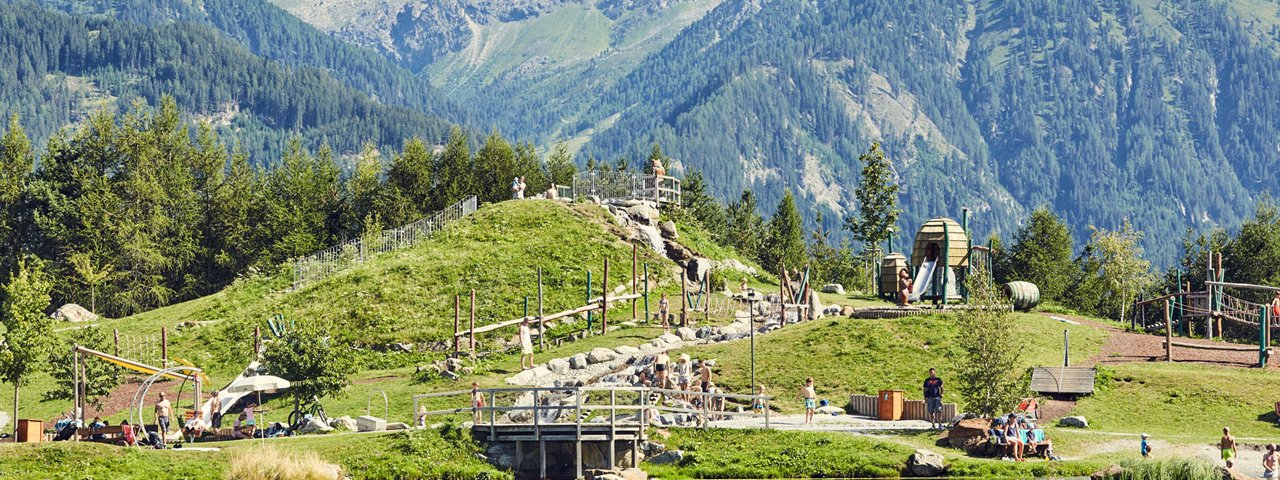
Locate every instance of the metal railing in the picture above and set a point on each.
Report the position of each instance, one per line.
(615, 185)
(339, 257)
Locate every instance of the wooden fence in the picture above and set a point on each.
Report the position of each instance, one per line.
(869, 405)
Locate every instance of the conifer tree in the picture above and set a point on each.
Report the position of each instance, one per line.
(746, 229)
(560, 166)
(409, 180)
(16, 161)
(495, 168)
(784, 246)
(453, 171)
(1041, 254)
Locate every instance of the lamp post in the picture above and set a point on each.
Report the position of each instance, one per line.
(752, 298)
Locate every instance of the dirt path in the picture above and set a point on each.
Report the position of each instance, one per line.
(1130, 347)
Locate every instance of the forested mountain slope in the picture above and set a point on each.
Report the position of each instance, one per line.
(66, 67)
(1153, 110)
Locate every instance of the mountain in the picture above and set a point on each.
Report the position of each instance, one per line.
(69, 66)
(1157, 111)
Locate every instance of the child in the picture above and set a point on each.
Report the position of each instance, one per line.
(477, 402)
(1146, 446)
(761, 403)
(526, 345)
(904, 287)
(1269, 462)
(810, 400)
(1228, 446)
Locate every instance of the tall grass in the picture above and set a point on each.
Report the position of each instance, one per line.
(1169, 469)
(275, 464)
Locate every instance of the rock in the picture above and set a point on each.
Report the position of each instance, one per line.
(687, 334)
(634, 474)
(74, 313)
(815, 307)
(833, 288)
(501, 455)
(558, 366)
(627, 351)
(668, 230)
(735, 265)
(671, 339)
(676, 251)
(847, 311)
(970, 435)
(1230, 474)
(592, 199)
(601, 355)
(397, 426)
(453, 364)
(314, 426)
(698, 269)
(343, 423)
(925, 463)
(643, 213)
(670, 457)
(608, 476)
(578, 362)
(652, 448)
(705, 333)
(1110, 472)
(1074, 422)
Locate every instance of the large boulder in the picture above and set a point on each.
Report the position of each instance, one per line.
(578, 362)
(835, 288)
(1113, 471)
(847, 311)
(970, 435)
(314, 425)
(601, 355)
(925, 463)
(676, 251)
(698, 269)
(687, 334)
(344, 422)
(668, 230)
(644, 213)
(1074, 422)
(627, 351)
(736, 265)
(669, 457)
(74, 313)
(634, 474)
(558, 366)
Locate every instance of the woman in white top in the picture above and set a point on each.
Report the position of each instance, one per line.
(683, 371)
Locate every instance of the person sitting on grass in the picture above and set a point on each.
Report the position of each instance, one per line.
(130, 437)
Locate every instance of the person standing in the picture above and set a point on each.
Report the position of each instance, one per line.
(904, 287)
(704, 371)
(1146, 446)
(684, 372)
(1269, 462)
(661, 364)
(477, 402)
(164, 411)
(516, 193)
(526, 344)
(664, 312)
(933, 399)
(810, 400)
(1228, 446)
(215, 410)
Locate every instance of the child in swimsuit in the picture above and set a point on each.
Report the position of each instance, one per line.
(810, 400)
(761, 403)
(1228, 446)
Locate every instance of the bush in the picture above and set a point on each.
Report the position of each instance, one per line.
(1174, 468)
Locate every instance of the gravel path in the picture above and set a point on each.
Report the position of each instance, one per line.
(1129, 347)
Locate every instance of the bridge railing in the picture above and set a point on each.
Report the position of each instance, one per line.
(614, 185)
(637, 404)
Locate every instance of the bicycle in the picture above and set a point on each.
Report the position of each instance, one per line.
(314, 409)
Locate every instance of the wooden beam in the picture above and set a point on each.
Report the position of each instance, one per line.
(1222, 348)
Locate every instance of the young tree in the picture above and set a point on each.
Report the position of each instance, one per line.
(315, 362)
(1041, 254)
(454, 171)
(92, 274)
(28, 330)
(1253, 256)
(986, 364)
(560, 166)
(877, 194)
(746, 228)
(364, 191)
(784, 245)
(100, 377)
(1114, 270)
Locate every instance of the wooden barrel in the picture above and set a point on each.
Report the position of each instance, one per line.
(1024, 295)
(889, 268)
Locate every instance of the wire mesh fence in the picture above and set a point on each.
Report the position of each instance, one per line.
(339, 257)
(616, 185)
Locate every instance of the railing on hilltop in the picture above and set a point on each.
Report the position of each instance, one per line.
(338, 257)
(614, 185)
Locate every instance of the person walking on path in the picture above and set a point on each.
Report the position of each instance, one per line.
(933, 399)
(477, 402)
(1228, 446)
(810, 400)
(904, 287)
(164, 411)
(1146, 446)
(704, 372)
(526, 344)
(664, 313)
(1269, 462)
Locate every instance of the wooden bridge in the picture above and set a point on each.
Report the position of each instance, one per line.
(596, 427)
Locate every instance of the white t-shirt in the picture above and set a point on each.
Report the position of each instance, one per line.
(526, 338)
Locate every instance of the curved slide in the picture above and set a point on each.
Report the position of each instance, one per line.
(924, 278)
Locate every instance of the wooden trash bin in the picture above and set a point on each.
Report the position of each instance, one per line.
(890, 404)
(30, 430)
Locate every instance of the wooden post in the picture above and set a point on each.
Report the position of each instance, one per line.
(542, 338)
(164, 347)
(588, 330)
(257, 341)
(457, 318)
(604, 299)
(684, 301)
(1264, 324)
(647, 315)
(75, 383)
(633, 281)
(471, 332)
(115, 339)
(1168, 333)
(706, 301)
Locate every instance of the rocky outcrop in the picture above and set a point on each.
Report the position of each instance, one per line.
(74, 313)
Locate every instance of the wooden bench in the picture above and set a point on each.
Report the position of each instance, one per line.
(110, 433)
(1064, 380)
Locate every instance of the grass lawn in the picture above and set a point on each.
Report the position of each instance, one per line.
(776, 454)
(847, 356)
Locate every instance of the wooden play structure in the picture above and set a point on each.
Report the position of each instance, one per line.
(941, 261)
(1216, 312)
